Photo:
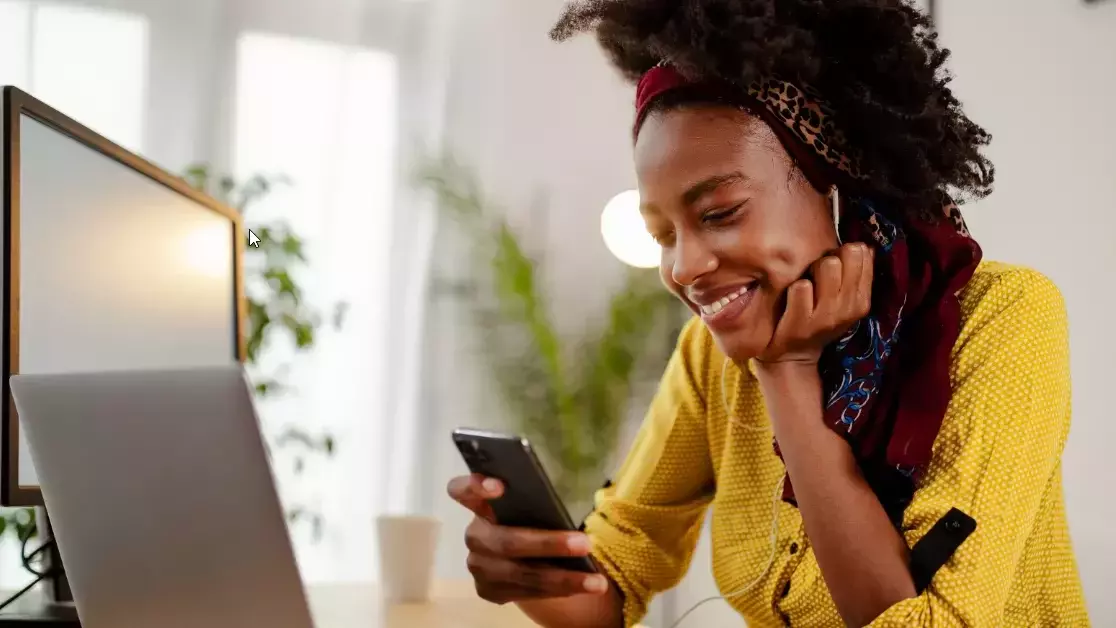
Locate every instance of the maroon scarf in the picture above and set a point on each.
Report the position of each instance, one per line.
(886, 382)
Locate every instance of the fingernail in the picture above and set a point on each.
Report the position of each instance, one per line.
(491, 486)
(579, 543)
(596, 584)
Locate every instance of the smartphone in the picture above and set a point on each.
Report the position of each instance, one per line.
(529, 499)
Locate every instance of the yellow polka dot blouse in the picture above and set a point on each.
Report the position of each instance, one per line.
(997, 459)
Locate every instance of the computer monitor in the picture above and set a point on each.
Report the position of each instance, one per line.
(110, 263)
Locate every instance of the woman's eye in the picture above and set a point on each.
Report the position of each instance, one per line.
(719, 215)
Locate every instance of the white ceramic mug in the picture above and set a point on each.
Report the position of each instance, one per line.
(408, 544)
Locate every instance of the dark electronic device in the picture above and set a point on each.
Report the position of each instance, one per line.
(529, 499)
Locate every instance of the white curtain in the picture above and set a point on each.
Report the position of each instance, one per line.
(341, 96)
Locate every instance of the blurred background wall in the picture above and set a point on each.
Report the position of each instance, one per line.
(344, 96)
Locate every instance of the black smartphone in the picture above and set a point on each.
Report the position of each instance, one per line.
(529, 499)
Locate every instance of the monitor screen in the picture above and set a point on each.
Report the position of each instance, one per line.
(112, 268)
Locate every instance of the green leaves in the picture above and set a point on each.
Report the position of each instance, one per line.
(570, 397)
(19, 521)
(276, 305)
(313, 517)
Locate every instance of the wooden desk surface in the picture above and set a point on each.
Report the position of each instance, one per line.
(452, 605)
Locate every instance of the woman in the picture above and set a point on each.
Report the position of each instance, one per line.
(875, 414)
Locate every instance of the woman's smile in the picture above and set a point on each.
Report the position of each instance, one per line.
(722, 308)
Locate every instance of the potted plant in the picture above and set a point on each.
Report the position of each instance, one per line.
(570, 396)
(276, 306)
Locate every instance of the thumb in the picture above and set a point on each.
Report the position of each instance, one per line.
(474, 492)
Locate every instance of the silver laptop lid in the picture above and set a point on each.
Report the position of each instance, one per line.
(161, 499)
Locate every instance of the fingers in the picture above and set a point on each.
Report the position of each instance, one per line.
(819, 309)
(855, 258)
(499, 559)
(852, 262)
(843, 286)
(827, 280)
(800, 305)
(474, 491)
(485, 537)
(501, 580)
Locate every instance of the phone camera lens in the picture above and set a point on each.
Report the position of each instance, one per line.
(477, 453)
(472, 451)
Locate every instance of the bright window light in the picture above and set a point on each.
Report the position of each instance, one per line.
(324, 115)
(15, 20)
(91, 63)
(625, 233)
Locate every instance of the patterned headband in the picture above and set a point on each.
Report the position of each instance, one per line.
(802, 121)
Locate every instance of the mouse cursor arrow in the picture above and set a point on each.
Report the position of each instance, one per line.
(253, 239)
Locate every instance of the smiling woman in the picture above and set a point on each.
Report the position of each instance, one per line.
(852, 356)
(723, 231)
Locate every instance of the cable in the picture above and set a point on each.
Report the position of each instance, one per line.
(27, 558)
(762, 575)
(27, 564)
(725, 402)
(774, 514)
(18, 594)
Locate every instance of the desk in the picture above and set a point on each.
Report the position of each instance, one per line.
(453, 605)
(30, 612)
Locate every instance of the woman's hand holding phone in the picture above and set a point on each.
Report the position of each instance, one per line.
(501, 557)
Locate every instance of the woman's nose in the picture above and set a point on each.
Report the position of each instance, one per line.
(692, 260)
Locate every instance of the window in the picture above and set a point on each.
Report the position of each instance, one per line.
(321, 113)
(89, 63)
(15, 37)
(324, 115)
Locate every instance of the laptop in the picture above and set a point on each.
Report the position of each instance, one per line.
(161, 499)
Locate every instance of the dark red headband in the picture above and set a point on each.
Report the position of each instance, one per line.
(654, 83)
(663, 78)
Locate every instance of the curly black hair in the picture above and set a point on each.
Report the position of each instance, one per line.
(877, 63)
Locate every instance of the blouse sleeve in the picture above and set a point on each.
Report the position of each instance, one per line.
(996, 458)
(646, 522)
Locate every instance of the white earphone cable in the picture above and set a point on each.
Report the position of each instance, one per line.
(774, 514)
(835, 204)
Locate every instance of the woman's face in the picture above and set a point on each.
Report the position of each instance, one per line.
(736, 220)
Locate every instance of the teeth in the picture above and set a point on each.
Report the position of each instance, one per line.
(717, 306)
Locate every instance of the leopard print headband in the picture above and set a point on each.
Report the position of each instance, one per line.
(802, 120)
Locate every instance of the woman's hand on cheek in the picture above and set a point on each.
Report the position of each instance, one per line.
(821, 310)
